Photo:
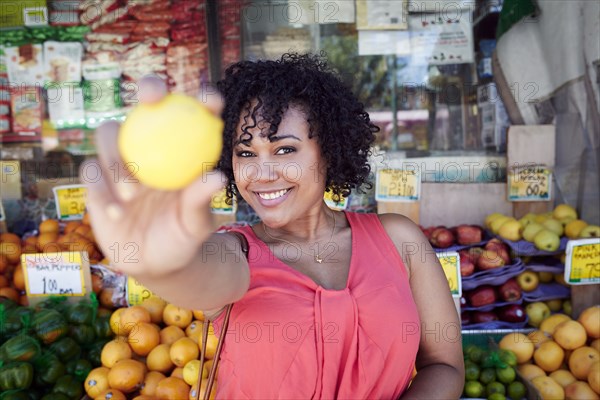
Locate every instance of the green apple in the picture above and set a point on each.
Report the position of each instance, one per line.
(488, 220)
(546, 277)
(510, 230)
(527, 219)
(590, 231)
(567, 307)
(537, 312)
(528, 281)
(498, 222)
(553, 225)
(532, 229)
(554, 305)
(546, 240)
(564, 211)
(573, 229)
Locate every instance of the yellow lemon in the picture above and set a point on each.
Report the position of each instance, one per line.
(170, 143)
(191, 372)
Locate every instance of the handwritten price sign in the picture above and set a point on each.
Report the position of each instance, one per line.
(57, 274)
(136, 292)
(529, 183)
(583, 262)
(218, 204)
(451, 265)
(397, 185)
(70, 201)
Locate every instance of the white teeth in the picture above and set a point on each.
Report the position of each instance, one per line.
(273, 195)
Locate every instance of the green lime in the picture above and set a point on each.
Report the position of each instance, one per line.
(474, 353)
(471, 371)
(509, 357)
(474, 389)
(516, 390)
(488, 375)
(495, 387)
(496, 396)
(506, 375)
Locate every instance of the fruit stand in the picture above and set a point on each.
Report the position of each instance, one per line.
(520, 248)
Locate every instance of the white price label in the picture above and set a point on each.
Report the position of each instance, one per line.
(53, 274)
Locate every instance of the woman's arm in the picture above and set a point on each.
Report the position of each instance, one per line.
(440, 366)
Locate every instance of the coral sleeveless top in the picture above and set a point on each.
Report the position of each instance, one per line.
(289, 338)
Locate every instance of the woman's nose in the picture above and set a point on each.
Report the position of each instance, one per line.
(261, 171)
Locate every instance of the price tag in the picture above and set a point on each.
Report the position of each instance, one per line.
(339, 206)
(56, 274)
(529, 183)
(70, 201)
(218, 204)
(136, 292)
(451, 264)
(583, 262)
(398, 185)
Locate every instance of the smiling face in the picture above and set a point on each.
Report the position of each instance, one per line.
(282, 177)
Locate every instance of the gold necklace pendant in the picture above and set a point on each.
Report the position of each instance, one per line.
(318, 259)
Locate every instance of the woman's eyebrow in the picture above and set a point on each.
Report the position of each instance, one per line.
(280, 137)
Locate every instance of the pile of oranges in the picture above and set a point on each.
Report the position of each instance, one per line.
(562, 357)
(52, 237)
(154, 355)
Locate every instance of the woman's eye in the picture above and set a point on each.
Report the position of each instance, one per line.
(285, 150)
(244, 154)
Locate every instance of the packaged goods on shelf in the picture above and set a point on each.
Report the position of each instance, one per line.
(27, 106)
(62, 61)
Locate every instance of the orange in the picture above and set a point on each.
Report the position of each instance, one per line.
(593, 377)
(198, 314)
(19, 278)
(563, 377)
(590, 319)
(127, 375)
(143, 338)
(3, 263)
(548, 388)
(170, 334)
(49, 226)
(111, 394)
(132, 316)
(151, 382)
(595, 344)
(211, 345)
(71, 226)
(29, 249)
(115, 351)
(549, 324)
(31, 240)
(23, 300)
(538, 337)
(581, 361)
(177, 373)
(208, 365)
(570, 335)
(12, 251)
(159, 359)
(9, 293)
(580, 390)
(3, 281)
(155, 306)
(47, 240)
(143, 397)
(115, 321)
(172, 388)
(96, 382)
(530, 371)
(86, 219)
(173, 315)
(183, 350)
(194, 330)
(518, 343)
(191, 372)
(549, 356)
(10, 238)
(109, 299)
(203, 387)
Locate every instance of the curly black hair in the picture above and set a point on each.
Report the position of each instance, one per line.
(335, 116)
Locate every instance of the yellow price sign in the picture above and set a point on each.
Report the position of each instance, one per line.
(397, 185)
(529, 183)
(70, 201)
(583, 262)
(136, 292)
(55, 274)
(451, 265)
(218, 204)
(334, 205)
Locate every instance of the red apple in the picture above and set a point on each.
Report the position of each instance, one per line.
(512, 313)
(427, 232)
(489, 259)
(482, 296)
(484, 316)
(468, 234)
(441, 238)
(467, 267)
(500, 247)
(510, 290)
(465, 318)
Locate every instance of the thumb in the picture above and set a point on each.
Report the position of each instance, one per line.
(196, 199)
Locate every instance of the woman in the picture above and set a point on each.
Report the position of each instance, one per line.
(326, 304)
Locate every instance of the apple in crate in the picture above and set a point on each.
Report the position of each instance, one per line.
(510, 290)
(489, 259)
(500, 247)
(442, 238)
(467, 267)
(468, 234)
(512, 313)
(482, 296)
(483, 316)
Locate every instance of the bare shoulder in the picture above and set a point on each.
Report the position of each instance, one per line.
(400, 228)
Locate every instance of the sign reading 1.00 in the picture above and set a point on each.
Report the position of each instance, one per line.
(70, 201)
(54, 274)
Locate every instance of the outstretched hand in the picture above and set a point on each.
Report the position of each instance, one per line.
(144, 231)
